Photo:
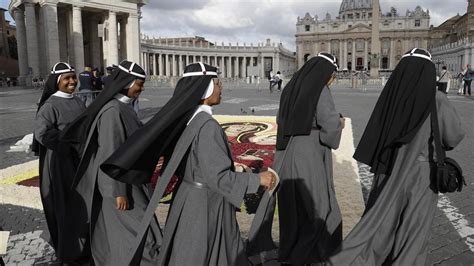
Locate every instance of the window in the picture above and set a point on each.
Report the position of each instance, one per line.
(399, 25)
(307, 27)
(350, 26)
(417, 23)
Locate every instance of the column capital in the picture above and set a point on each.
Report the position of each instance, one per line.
(29, 4)
(18, 12)
(48, 3)
(77, 7)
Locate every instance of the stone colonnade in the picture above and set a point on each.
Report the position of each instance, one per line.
(48, 32)
(166, 58)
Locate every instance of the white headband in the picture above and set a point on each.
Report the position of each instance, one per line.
(332, 61)
(203, 72)
(130, 71)
(412, 53)
(69, 69)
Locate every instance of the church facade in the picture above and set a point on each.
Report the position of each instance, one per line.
(348, 35)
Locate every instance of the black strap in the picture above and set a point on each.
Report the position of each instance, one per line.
(439, 80)
(440, 153)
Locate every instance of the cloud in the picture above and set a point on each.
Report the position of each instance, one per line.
(255, 20)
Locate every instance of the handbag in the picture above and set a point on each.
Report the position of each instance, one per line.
(447, 172)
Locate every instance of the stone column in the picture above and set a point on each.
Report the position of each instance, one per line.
(366, 54)
(344, 58)
(167, 66)
(155, 67)
(244, 67)
(113, 43)
(95, 42)
(375, 44)
(160, 64)
(123, 40)
(229, 67)
(133, 38)
(32, 38)
(78, 38)
(392, 54)
(329, 47)
(222, 66)
(180, 64)
(277, 63)
(21, 44)
(50, 12)
(236, 67)
(341, 52)
(353, 54)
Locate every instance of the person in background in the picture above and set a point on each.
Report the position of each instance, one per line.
(467, 77)
(86, 85)
(443, 80)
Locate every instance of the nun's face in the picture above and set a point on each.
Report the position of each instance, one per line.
(215, 97)
(331, 79)
(136, 89)
(67, 83)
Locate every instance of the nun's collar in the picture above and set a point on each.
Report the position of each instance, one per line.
(201, 108)
(123, 98)
(65, 95)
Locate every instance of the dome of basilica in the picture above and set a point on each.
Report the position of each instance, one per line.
(351, 5)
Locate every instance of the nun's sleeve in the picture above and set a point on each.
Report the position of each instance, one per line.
(46, 130)
(111, 134)
(450, 128)
(328, 120)
(216, 166)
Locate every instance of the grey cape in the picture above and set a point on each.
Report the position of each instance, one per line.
(401, 207)
(310, 218)
(57, 170)
(113, 231)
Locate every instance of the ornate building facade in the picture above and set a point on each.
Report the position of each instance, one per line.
(94, 32)
(348, 35)
(452, 42)
(166, 57)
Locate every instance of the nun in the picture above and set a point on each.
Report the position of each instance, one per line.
(309, 128)
(398, 147)
(201, 228)
(57, 108)
(114, 209)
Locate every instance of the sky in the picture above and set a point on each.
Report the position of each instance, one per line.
(253, 21)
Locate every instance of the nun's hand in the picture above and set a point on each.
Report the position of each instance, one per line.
(343, 122)
(267, 180)
(122, 203)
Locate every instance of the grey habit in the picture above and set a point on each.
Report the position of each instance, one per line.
(201, 228)
(57, 172)
(401, 207)
(310, 219)
(113, 231)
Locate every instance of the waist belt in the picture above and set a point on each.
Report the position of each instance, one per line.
(196, 184)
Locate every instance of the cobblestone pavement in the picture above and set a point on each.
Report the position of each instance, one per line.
(451, 241)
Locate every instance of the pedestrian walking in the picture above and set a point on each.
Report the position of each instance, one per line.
(397, 145)
(58, 107)
(309, 128)
(86, 85)
(201, 228)
(467, 77)
(114, 209)
(443, 80)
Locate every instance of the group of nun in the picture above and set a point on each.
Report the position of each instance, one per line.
(96, 164)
